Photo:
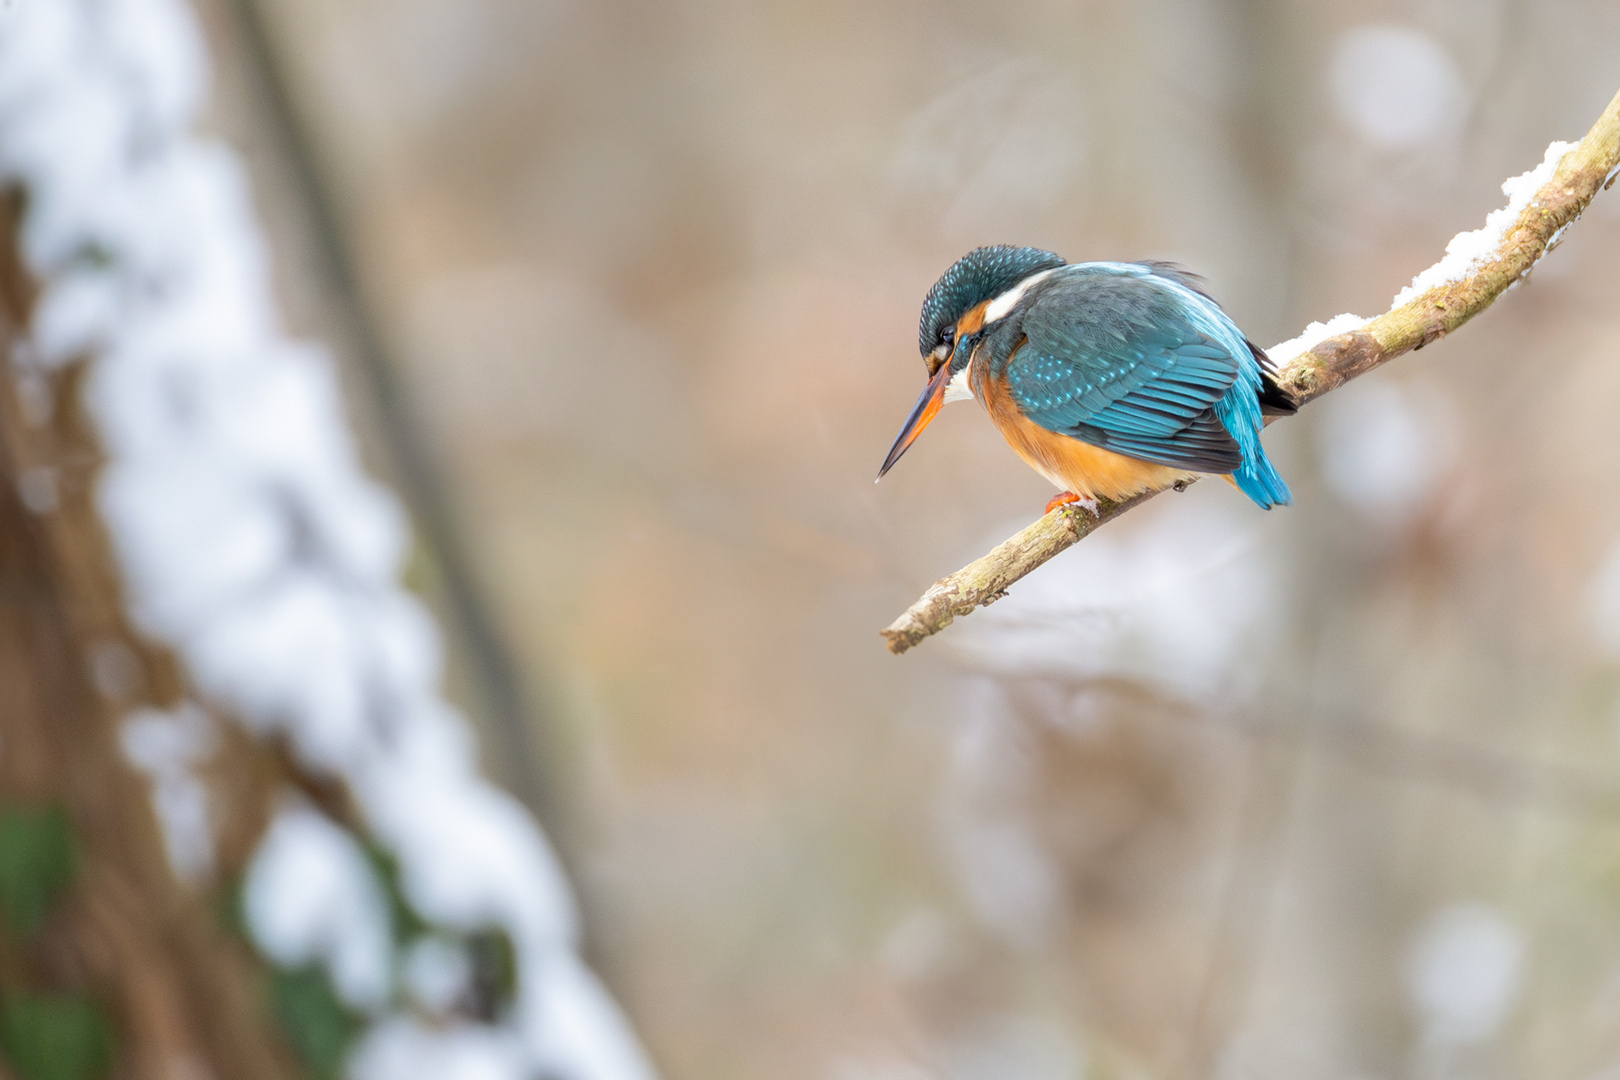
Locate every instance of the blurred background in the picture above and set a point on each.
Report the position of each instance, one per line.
(624, 296)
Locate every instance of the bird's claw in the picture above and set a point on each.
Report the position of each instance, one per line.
(1068, 497)
(1063, 499)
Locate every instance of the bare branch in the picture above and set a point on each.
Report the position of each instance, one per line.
(1580, 174)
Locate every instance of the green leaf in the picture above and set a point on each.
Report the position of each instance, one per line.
(406, 923)
(319, 1026)
(37, 863)
(55, 1036)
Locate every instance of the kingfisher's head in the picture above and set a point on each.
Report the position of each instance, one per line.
(978, 289)
(968, 288)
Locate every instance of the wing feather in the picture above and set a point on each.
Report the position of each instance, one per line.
(1122, 366)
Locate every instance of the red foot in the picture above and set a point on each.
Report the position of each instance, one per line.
(1062, 500)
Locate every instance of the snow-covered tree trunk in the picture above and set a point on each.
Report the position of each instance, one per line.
(105, 953)
(241, 832)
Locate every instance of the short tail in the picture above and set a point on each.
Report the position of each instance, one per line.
(1241, 412)
(1258, 479)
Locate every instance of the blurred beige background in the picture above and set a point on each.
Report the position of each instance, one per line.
(1326, 792)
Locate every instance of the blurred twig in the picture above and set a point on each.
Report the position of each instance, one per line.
(1580, 174)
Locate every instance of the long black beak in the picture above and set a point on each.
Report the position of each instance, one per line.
(928, 406)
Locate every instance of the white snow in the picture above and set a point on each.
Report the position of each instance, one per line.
(436, 972)
(167, 746)
(403, 1047)
(1466, 252)
(1313, 335)
(253, 545)
(1469, 250)
(310, 894)
(471, 855)
(572, 1027)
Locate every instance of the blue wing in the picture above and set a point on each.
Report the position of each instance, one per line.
(1121, 357)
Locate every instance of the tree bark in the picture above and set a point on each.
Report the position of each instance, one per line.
(124, 938)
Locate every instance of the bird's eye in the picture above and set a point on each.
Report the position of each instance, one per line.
(942, 352)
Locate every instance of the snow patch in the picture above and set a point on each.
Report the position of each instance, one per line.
(407, 1048)
(1465, 253)
(167, 747)
(437, 973)
(1312, 336)
(1468, 251)
(310, 895)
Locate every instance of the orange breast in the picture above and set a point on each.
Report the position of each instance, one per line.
(1088, 471)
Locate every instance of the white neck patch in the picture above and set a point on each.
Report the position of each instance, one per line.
(958, 388)
(1003, 304)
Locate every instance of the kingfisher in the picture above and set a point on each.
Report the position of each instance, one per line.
(1108, 378)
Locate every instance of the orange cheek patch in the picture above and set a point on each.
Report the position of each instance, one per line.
(972, 321)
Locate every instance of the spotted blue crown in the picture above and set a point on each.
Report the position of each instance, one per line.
(980, 275)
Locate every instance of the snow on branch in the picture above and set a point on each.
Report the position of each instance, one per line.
(1478, 267)
(252, 544)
